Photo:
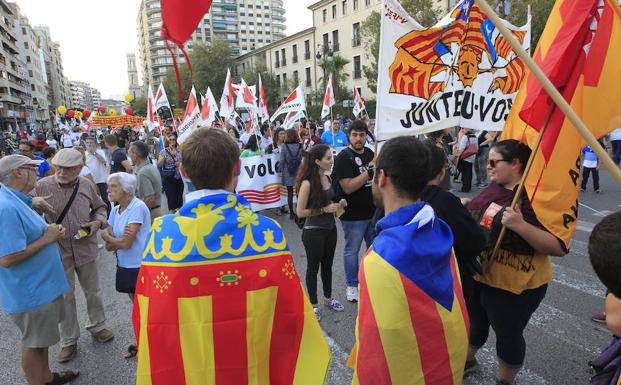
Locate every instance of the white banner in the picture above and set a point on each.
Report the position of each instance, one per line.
(460, 72)
(260, 182)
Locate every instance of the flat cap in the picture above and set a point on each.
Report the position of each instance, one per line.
(68, 157)
(12, 162)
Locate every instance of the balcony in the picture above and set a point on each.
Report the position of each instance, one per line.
(355, 42)
(307, 55)
(284, 62)
(307, 83)
(277, 63)
(294, 59)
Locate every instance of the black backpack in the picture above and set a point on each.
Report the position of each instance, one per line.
(293, 162)
(336, 186)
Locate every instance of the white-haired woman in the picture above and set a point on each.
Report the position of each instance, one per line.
(130, 223)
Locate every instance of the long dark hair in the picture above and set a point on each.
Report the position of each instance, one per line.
(309, 170)
(252, 144)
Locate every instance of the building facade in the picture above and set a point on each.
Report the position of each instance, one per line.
(132, 76)
(336, 31)
(84, 96)
(59, 92)
(246, 25)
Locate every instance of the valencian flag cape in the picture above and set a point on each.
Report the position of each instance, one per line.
(218, 301)
(579, 51)
(412, 326)
(460, 72)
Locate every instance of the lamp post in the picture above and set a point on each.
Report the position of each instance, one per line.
(329, 53)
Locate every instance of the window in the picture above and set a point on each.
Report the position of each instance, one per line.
(355, 5)
(326, 43)
(333, 12)
(277, 59)
(26, 44)
(324, 15)
(344, 7)
(23, 30)
(284, 58)
(357, 68)
(356, 35)
(296, 78)
(335, 40)
(308, 77)
(306, 49)
(295, 53)
(367, 2)
(27, 59)
(284, 80)
(278, 80)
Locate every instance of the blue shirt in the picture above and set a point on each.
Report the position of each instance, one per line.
(38, 280)
(136, 212)
(43, 167)
(590, 157)
(338, 140)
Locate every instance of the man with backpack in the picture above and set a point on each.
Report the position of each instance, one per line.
(290, 159)
(352, 176)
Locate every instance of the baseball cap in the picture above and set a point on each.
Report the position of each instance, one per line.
(12, 162)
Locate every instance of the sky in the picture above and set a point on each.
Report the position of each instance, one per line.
(95, 36)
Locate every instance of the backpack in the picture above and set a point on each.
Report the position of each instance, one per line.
(293, 162)
(336, 186)
(607, 365)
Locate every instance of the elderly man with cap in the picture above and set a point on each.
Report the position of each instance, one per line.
(30, 263)
(78, 207)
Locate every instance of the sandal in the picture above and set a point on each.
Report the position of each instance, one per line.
(131, 352)
(63, 377)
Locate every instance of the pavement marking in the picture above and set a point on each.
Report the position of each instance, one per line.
(585, 226)
(488, 366)
(549, 320)
(584, 282)
(599, 213)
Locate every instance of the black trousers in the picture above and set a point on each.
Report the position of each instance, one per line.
(173, 188)
(466, 175)
(586, 171)
(290, 200)
(319, 245)
(507, 313)
(103, 191)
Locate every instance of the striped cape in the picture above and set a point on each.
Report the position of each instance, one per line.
(412, 326)
(218, 301)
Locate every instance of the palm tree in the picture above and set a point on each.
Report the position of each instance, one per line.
(334, 66)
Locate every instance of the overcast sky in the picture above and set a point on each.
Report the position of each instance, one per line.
(96, 35)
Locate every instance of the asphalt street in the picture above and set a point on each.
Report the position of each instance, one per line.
(561, 338)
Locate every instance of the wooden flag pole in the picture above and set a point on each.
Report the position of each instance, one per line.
(553, 92)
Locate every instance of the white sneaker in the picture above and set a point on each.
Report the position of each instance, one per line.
(317, 313)
(352, 294)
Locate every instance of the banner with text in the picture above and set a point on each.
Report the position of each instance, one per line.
(460, 72)
(260, 182)
(118, 121)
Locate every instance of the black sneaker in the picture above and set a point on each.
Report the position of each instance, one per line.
(471, 367)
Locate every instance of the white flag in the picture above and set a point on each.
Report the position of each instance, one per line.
(245, 97)
(227, 101)
(263, 112)
(328, 99)
(209, 109)
(291, 118)
(294, 102)
(191, 118)
(161, 100)
(358, 103)
(150, 122)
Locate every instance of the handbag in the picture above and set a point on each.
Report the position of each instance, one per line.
(607, 365)
(169, 172)
(126, 279)
(472, 149)
(63, 214)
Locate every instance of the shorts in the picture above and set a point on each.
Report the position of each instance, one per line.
(39, 326)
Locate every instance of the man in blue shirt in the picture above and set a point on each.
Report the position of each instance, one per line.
(335, 137)
(32, 277)
(27, 149)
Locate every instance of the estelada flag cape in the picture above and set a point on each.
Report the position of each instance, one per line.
(412, 326)
(579, 52)
(218, 301)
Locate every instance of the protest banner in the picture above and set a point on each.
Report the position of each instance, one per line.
(117, 121)
(460, 72)
(260, 182)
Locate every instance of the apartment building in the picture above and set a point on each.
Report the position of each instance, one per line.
(84, 96)
(59, 93)
(246, 25)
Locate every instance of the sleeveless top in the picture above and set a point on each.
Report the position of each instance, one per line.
(323, 221)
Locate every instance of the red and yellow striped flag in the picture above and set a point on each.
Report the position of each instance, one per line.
(579, 52)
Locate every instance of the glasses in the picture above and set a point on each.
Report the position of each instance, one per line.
(494, 162)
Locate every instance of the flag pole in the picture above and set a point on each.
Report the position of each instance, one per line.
(553, 92)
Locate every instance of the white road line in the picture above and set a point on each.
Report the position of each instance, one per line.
(488, 364)
(584, 282)
(585, 226)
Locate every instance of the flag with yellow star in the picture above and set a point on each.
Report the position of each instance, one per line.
(218, 301)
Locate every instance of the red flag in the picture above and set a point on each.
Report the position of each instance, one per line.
(181, 17)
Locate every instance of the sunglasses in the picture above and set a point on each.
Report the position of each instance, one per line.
(494, 162)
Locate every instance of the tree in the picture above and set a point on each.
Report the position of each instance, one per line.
(209, 64)
(335, 67)
(422, 11)
(139, 105)
(272, 91)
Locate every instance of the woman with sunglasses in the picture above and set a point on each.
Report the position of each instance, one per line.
(514, 281)
(168, 162)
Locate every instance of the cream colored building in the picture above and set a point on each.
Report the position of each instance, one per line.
(335, 31)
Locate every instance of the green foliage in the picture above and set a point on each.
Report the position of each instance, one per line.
(209, 64)
(139, 105)
(272, 92)
(335, 67)
(314, 112)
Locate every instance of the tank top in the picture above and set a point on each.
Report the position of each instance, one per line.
(325, 220)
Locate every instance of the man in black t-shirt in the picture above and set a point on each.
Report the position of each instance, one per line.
(353, 169)
(119, 162)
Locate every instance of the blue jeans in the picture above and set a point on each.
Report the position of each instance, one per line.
(355, 232)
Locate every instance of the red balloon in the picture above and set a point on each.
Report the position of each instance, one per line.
(129, 111)
(101, 109)
(71, 114)
(86, 113)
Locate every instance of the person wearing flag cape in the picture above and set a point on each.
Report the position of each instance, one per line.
(412, 326)
(218, 299)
